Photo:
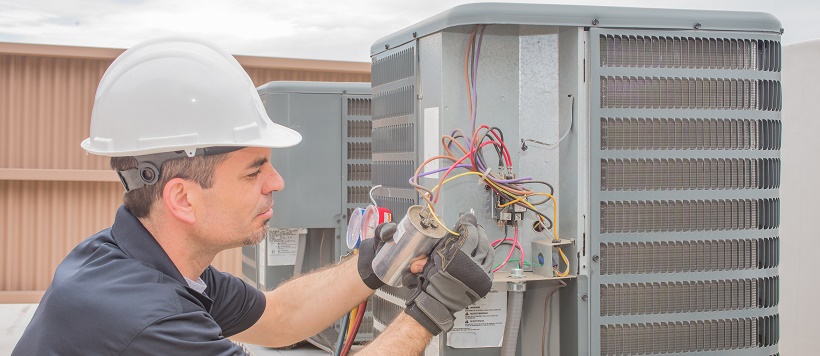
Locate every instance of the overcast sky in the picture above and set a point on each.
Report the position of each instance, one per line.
(318, 29)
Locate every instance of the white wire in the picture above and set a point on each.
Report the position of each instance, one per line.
(566, 133)
(371, 194)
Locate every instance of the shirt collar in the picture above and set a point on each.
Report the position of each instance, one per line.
(132, 237)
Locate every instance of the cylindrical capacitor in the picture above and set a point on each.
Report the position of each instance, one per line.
(415, 236)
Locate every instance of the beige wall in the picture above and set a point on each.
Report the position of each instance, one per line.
(800, 192)
(53, 195)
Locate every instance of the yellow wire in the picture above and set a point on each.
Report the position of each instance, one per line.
(516, 199)
(440, 222)
(430, 207)
(352, 317)
(511, 202)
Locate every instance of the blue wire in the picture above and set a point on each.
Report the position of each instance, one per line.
(340, 342)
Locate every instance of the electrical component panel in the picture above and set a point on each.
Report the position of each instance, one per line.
(649, 138)
(327, 175)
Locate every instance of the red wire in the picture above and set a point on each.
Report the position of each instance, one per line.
(441, 181)
(504, 151)
(352, 336)
(444, 176)
(512, 249)
(518, 246)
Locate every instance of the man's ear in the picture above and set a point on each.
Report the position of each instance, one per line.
(176, 199)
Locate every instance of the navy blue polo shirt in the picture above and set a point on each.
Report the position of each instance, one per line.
(118, 293)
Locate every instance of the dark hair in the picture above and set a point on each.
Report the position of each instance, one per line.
(199, 169)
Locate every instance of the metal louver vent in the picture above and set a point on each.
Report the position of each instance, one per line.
(768, 329)
(388, 310)
(690, 93)
(688, 296)
(394, 67)
(394, 138)
(768, 252)
(392, 103)
(358, 107)
(393, 173)
(689, 256)
(689, 134)
(394, 127)
(359, 128)
(689, 52)
(358, 195)
(358, 150)
(385, 311)
(358, 172)
(685, 174)
(689, 215)
(689, 336)
(398, 206)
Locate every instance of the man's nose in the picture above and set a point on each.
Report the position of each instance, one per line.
(274, 182)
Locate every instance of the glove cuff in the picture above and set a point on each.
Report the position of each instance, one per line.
(430, 313)
(371, 280)
(366, 254)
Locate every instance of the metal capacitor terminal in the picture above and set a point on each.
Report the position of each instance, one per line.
(415, 236)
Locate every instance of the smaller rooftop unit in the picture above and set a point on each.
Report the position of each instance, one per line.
(326, 176)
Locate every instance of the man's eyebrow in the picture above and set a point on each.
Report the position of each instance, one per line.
(258, 163)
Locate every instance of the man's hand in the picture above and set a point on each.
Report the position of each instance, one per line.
(456, 275)
(368, 249)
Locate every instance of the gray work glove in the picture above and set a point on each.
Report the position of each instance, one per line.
(367, 251)
(456, 275)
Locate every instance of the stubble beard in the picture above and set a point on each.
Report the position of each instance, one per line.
(258, 236)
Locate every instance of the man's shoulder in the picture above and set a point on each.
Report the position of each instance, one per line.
(98, 272)
(112, 296)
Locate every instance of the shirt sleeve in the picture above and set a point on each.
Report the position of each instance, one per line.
(237, 305)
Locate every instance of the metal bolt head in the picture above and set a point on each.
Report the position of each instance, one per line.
(595, 258)
(517, 273)
(584, 297)
(415, 34)
(698, 26)
(387, 46)
(595, 22)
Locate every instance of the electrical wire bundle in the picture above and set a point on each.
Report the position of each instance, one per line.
(471, 158)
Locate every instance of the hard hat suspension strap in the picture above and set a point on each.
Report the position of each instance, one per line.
(148, 166)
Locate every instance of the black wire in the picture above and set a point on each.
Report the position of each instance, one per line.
(479, 154)
(552, 190)
(539, 213)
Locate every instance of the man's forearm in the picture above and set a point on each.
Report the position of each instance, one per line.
(404, 336)
(305, 305)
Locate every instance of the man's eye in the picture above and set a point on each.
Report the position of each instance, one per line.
(254, 174)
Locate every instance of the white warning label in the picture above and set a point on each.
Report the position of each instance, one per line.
(481, 324)
(283, 245)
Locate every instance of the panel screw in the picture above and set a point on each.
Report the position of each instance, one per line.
(584, 297)
(595, 22)
(595, 258)
(387, 46)
(338, 221)
(415, 34)
(697, 26)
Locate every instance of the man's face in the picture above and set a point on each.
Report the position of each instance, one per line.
(236, 209)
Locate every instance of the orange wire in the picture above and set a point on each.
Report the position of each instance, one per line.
(466, 75)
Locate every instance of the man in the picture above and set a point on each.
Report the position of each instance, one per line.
(190, 140)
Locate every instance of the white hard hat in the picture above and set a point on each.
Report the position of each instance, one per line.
(179, 94)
